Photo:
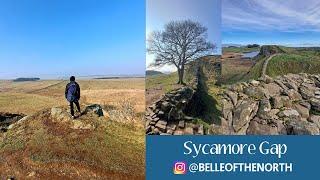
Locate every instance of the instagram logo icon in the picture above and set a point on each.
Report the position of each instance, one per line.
(179, 168)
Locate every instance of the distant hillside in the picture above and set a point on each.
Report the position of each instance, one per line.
(26, 79)
(288, 60)
(153, 73)
(241, 49)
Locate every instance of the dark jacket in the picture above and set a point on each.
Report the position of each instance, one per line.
(72, 96)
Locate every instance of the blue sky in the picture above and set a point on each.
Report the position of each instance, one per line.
(207, 12)
(289, 22)
(58, 38)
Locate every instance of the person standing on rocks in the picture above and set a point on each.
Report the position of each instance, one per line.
(72, 94)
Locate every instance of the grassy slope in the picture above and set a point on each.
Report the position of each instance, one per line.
(50, 149)
(233, 70)
(255, 71)
(292, 61)
(167, 82)
(53, 150)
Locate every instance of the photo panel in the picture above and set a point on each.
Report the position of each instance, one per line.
(270, 60)
(72, 89)
(183, 66)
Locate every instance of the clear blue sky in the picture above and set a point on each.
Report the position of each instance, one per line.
(206, 12)
(289, 22)
(57, 38)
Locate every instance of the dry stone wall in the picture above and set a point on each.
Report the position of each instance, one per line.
(286, 105)
(167, 116)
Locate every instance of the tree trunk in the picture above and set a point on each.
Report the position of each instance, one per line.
(180, 74)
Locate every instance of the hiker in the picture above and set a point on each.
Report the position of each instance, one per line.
(72, 94)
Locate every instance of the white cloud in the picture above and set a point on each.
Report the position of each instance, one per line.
(286, 16)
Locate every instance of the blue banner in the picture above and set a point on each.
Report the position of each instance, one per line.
(226, 157)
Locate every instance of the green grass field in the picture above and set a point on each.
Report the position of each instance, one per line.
(294, 63)
(167, 82)
(291, 61)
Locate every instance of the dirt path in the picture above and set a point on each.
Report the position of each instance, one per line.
(265, 64)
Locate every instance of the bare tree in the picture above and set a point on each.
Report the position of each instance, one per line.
(179, 43)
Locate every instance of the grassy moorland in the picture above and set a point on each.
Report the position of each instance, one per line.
(29, 97)
(111, 146)
(241, 49)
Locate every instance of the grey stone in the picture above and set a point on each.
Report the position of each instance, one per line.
(233, 96)
(242, 114)
(291, 85)
(303, 111)
(219, 130)
(95, 108)
(293, 95)
(264, 108)
(172, 126)
(181, 124)
(305, 104)
(289, 113)
(262, 127)
(165, 106)
(273, 89)
(200, 130)
(255, 92)
(298, 127)
(315, 104)
(315, 119)
(283, 87)
(306, 92)
(188, 131)
(254, 83)
(170, 131)
(161, 125)
(178, 132)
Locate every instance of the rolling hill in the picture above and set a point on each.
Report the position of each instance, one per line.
(287, 60)
(153, 73)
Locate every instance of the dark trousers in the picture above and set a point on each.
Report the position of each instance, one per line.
(71, 107)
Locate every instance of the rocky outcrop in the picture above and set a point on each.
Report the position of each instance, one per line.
(268, 50)
(8, 119)
(167, 115)
(288, 104)
(60, 114)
